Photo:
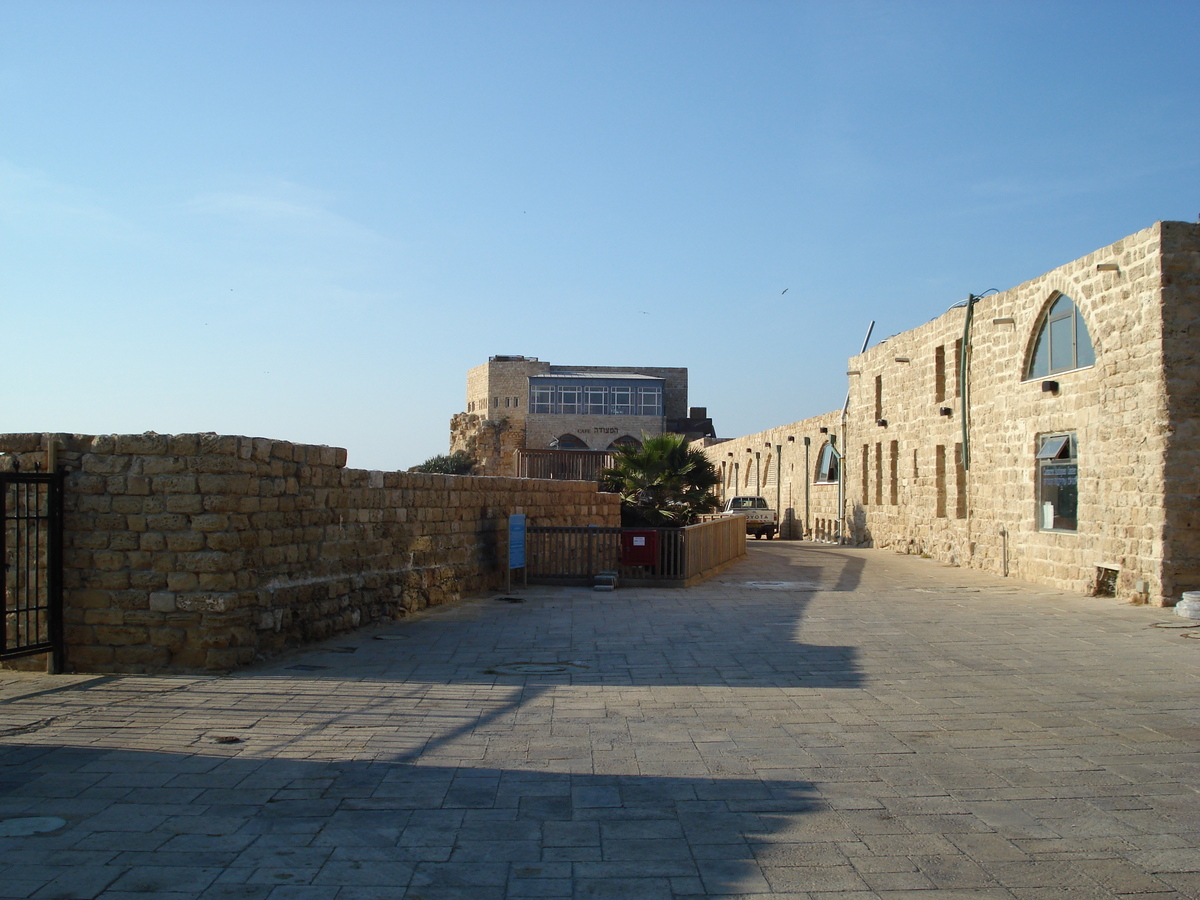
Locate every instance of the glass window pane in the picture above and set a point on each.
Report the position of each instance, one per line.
(1062, 344)
(1052, 448)
(1040, 366)
(1084, 354)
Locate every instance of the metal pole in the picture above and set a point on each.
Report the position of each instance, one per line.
(807, 469)
(779, 483)
(757, 474)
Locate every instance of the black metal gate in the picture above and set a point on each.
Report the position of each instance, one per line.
(31, 556)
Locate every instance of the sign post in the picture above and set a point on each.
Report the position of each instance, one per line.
(516, 548)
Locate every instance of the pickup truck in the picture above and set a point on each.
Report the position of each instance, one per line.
(761, 520)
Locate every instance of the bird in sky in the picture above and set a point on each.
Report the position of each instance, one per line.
(785, 290)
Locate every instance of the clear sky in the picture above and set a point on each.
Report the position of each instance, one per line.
(307, 220)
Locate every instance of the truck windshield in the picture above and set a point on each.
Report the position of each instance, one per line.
(749, 503)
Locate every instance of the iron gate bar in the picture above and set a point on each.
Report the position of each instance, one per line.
(31, 562)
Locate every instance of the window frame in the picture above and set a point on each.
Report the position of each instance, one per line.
(569, 407)
(541, 399)
(827, 466)
(654, 406)
(1043, 340)
(616, 407)
(1057, 450)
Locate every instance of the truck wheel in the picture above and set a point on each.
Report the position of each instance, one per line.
(770, 533)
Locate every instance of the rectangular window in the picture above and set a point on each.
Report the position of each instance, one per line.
(507, 402)
(1057, 483)
(879, 474)
(516, 402)
(622, 401)
(894, 474)
(878, 397)
(866, 465)
(939, 477)
(594, 401)
(570, 400)
(541, 400)
(650, 401)
(960, 484)
(939, 373)
(957, 366)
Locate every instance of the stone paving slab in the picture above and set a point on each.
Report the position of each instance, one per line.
(816, 722)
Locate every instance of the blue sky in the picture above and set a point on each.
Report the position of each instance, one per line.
(307, 220)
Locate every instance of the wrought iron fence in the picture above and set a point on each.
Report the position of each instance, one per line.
(685, 556)
(31, 557)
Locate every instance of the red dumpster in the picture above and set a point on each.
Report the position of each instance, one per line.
(639, 548)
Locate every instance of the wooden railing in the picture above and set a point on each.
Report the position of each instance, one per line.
(564, 465)
(686, 556)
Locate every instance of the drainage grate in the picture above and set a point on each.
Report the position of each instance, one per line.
(534, 668)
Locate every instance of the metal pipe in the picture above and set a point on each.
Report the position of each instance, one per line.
(807, 469)
(841, 511)
(779, 485)
(964, 402)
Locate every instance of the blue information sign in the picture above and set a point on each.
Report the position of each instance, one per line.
(516, 541)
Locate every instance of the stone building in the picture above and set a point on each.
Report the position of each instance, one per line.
(520, 403)
(1048, 432)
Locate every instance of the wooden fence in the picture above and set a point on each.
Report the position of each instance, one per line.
(564, 465)
(686, 556)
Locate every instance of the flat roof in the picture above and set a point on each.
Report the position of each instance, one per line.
(598, 376)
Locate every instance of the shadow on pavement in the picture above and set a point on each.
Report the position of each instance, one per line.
(213, 826)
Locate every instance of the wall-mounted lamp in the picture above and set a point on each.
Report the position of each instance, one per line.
(1107, 267)
(1050, 387)
(945, 411)
(882, 423)
(1004, 320)
(791, 439)
(853, 372)
(824, 431)
(730, 453)
(903, 359)
(748, 450)
(807, 441)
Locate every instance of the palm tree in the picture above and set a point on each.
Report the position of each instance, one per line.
(663, 482)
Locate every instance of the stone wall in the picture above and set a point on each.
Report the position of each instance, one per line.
(595, 431)
(912, 489)
(205, 552)
(787, 477)
(1181, 374)
(916, 484)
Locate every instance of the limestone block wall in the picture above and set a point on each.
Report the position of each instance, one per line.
(752, 465)
(203, 552)
(595, 431)
(910, 487)
(492, 443)
(1180, 264)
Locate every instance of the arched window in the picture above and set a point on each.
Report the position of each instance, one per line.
(624, 440)
(827, 466)
(568, 442)
(1062, 343)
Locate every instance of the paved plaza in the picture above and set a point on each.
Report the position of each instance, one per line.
(813, 722)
